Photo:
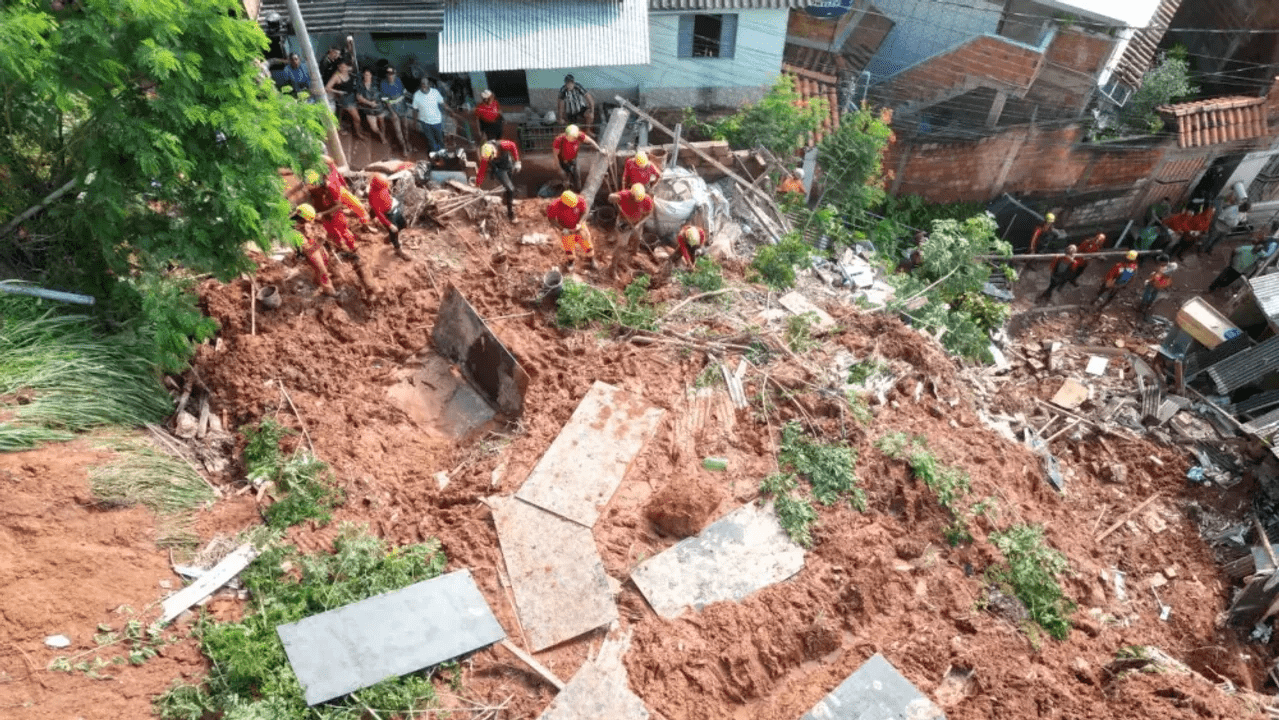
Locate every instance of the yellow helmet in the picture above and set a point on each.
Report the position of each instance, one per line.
(569, 198)
(1049, 217)
(306, 212)
(637, 191)
(1132, 255)
(312, 177)
(692, 236)
(573, 132)
(641, 158)
(489, 151)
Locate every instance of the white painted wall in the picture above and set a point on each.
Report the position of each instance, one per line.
(671, 80)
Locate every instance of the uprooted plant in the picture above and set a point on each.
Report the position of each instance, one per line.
(582, 305)
(1031, 574)
(303, 486)
(948, 483)
(829, 470)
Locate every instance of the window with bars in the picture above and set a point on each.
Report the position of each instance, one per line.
(707, 36)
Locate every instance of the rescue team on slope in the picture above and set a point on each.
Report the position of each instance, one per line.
(330, 197)
(1168, 236)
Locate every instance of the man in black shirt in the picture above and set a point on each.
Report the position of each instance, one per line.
(329, 63)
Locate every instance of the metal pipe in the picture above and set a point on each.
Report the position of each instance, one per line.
(317, 83)
(75, 298)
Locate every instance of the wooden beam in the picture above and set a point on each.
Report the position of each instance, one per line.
(1128, 516)
(537, 666)
(608, 145)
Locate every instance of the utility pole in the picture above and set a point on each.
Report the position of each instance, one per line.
(317, 83)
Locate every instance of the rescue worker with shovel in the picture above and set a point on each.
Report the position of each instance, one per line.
(388, 210)
(692, 243)
(503, 156)
(329, 196)
(567, 214)
(635, 207)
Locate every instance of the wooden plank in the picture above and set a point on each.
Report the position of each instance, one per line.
(607, 146)
(220, 575)
(561, 589)
(581, 470)
(1128, 516)
(537, 667)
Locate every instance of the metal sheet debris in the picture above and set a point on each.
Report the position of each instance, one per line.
(209, 582)
(345, 650)
(876, 691)
(600, 689)
(561, 590)
(742, 552)
(586, 462)
(462, 337)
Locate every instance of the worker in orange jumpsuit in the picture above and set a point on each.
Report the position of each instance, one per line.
(1158, 282)
(1179, 226)
(1197, 228)
(387, 210)
(565, 148)
(503, 156)
(313, 250)
(792, 186)
(1063, 268)
(1093, 244)
(640, 169)
(329, 195)
(635, 207)
(1043, 233)
(567, 214)
(692, 242)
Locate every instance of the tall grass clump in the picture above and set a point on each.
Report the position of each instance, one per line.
(139, 474)
(57, 376)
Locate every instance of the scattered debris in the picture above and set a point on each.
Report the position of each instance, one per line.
(208, 583)
(1097, 365)
(348, 649)
(875, 690)
(57, 642)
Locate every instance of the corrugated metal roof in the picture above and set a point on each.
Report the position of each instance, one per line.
(527, 34)
(1252, 364)
(345, 16)
(669, 5)
(1137, 57)
(1266, 290)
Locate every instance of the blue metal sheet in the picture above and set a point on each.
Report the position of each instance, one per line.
(345, 650)
(484, 35)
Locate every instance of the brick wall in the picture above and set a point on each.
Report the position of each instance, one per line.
(982, 62)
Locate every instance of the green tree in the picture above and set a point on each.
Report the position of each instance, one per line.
(780, 121)
(158, 110)
(1162, 84)
(852, 159)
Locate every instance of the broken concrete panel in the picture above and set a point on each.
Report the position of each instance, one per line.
(462, 337)
(600, 689)
(799, 305)
(345, 650)
(561, 590)
(1071, 395)
(585, 463)
(742, 552)
(875, 692)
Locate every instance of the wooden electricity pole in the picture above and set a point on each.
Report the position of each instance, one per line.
(317, 83)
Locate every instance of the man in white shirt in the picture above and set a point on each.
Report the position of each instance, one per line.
(428, 105)
(1225, 223)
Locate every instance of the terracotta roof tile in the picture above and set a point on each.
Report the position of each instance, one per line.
(810, 85)
(1218, 120)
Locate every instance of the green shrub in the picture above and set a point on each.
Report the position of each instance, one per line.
(305, 488)
(780, 121)
(705, 276)
(1031, 574)
(774, 265)
(250, 676)
(828, 467)
(582, 305)
(795, 512)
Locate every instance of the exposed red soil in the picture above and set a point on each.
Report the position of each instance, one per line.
(880, 581)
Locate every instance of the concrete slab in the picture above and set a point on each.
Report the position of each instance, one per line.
(462, 337)
(361, 644)
(582, 468)
(800, 305)
(742, 552)
(561, 590)
(875, 692)
(600, 689)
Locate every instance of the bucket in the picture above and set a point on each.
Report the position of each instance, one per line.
(552, 287)
(605, 216)
(270, 298)
(658, 156)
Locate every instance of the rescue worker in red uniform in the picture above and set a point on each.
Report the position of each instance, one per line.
(792, 186)
(1043, 233)
(640, 169)
(387, 210)
(565, 148)
(1093, 244)
(692, 243)
(329, 195)
(313, 250)
(568, 216)
(489, 115)
(503, 156)
(635, 207)
(1117, 279)
(1063, 269)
